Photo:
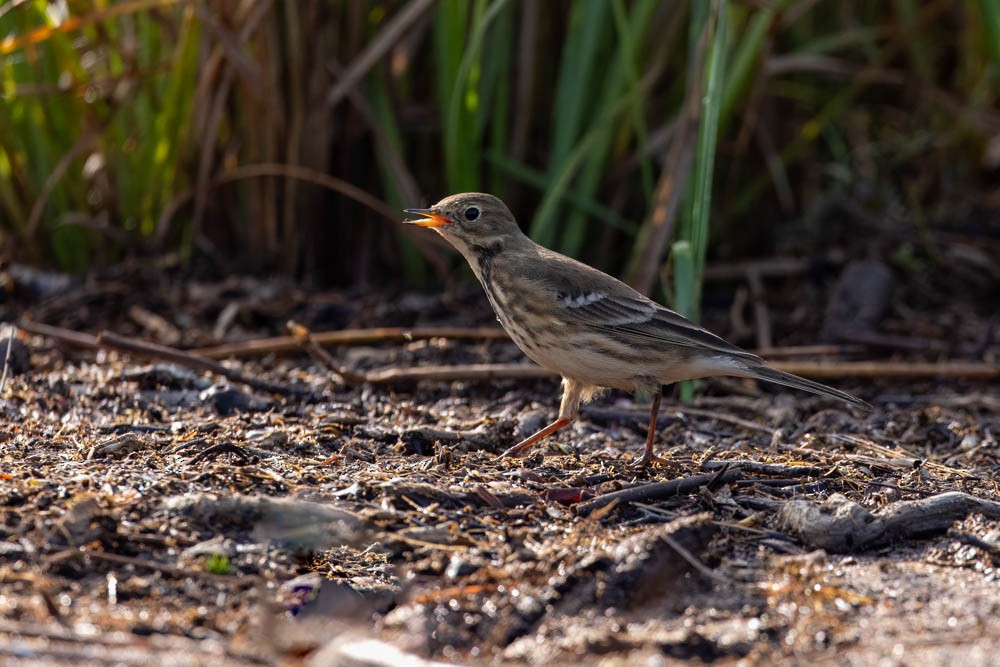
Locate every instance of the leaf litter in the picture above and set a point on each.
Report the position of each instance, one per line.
(153, 513)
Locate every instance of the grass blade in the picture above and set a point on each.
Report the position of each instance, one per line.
(696, 223)
(685, 288)
(579, 80)
(990, 10)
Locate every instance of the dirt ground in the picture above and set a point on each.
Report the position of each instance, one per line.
(155, 514)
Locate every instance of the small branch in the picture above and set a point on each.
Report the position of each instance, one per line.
(305, 339)
(647, 493)
(113, 341)
(689, 557)
(727, 418)
(974, 541)
(202, 358)
(262, 346)
(810, 351)
(600, 414)
(761, 318)
(875, 339)
(386, 38)
(65, 336)
(469, 372)
(817, 370)
(143, 348)
(774, 267)
(971, 370)
(840, 525)
(758, 468)
(6, 359)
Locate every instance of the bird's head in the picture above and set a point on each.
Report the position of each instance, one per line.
(471, 221)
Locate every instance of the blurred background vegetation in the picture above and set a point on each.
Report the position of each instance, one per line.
(288, 135)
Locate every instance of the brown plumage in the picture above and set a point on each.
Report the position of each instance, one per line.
(592, 329)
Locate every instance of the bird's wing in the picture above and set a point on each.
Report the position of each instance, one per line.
(594, 299)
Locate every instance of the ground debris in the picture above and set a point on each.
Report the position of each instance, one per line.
(842, 526)
(639, 571)
(303, 524)
(161, 508)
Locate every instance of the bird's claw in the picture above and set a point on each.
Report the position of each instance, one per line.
(516, 452)
(650, 458)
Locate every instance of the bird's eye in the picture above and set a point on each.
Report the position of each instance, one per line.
(472, 213)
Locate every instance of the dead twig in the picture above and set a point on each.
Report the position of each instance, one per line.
(279, 344)
(727, 418)
(469, 372)
(818, 370)
(118, 447)
(813, 369)
(974, 541)
(926, 493)
(981, 401)
(305, 339)
(387, 37)
(65, 336)
(6, 359)
(155, 324)
(761, 318)
(773, 267)
(647, 493)
(790, 489)
(601, 414)
(113, 341)
(841, 525)
(825, 370)
(692, 561)
(220, 449)
(418, 495)
(203, 359)
(810, 351)
(678, 159)
(758, 468)
(58, 632)
(771, 482)
(969, 370)
(904, 458)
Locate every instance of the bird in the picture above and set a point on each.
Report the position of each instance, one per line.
(595, 331)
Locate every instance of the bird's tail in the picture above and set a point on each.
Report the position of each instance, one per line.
(788, 380)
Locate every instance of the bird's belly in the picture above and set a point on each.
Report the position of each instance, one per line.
(603, 362)
(597, 363)
(590, 357)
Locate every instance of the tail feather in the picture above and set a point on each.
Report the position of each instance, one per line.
(788, 380)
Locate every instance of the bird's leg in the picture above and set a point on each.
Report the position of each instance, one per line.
(519, 448)
(569, 408)
(648, 456)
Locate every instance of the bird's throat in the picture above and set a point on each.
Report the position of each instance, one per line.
(480, 254)
(485, 253)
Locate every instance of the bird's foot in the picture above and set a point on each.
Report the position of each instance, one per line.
(649, 458)
(523, 446)
(519, 450)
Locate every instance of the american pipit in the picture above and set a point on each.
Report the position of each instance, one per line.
(593, 330)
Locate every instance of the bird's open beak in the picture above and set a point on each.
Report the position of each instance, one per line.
(432, 217)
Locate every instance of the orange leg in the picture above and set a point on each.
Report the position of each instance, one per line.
(568, 410)
(535, 437)
(648, 456)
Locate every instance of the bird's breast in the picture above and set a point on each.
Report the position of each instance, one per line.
(556, 343)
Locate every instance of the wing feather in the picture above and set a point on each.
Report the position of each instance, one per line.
(598, 301)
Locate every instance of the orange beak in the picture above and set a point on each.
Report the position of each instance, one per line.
(432, 217)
